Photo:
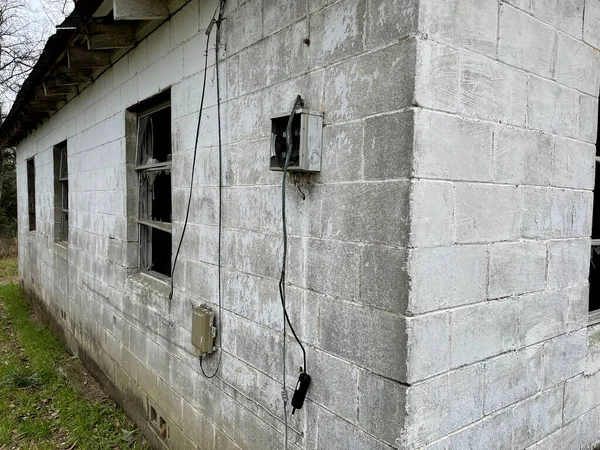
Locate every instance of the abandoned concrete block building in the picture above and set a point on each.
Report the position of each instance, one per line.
(442, 244)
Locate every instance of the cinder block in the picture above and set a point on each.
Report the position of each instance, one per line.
(573, 164)
(526, 42)
(543, 316)
(185, 98)
(570, 436)
(277, 15)
(330, 376)
(578, 65)
(484, 330)
(343, 156)
(521, 4)
(255, 434)
(471, 84)
(382, 406)
(254, 158)
(553, 108)
(199, 429)
(369, 337)
(148, 381)
(247, 126)
(337, 32)
(384, 279)
(337, 434)
(182, 379)
(493, 432)
(240, 246)
(243, 292)
(388, 146)
(593, 350)
(537, 417)
(251, 340)
(513, 377)
(224, 442)
(517, 268)
(354, 90)
(244, 27)
(568, 262)
(159, 43)
(566, 15)
(591, 25)
(428, 346)
(193, 65)
(564, 357)
(578, 306)
(437, 76)
(476, 215)
(522, 157)
(588, 118)
(184, 25)
(375, 212)
(465, 153)
(200, 279)
(178, 440)
(592, 390)
(576, 398)
(333, 268)
(459, 272)
(441, 405)
(287, 53)
(432, 211)
(138, 60)
(390, 20)
(471, 24)
(170, 68)
(588, 437)
(556, 213)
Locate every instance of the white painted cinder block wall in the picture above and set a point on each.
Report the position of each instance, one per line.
(500, 353)
(438, 265)
(347, 278)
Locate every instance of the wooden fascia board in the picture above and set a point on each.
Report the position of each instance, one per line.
(81, 58)
(140, 10)
(109, 36)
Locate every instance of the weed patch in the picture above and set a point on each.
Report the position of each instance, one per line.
(41, 405)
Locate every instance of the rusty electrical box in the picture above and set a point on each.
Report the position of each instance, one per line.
(203, 331)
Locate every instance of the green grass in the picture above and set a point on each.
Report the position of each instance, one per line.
(8, 269)
(41, 407)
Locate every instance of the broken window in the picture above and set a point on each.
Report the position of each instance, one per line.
(31, 193)
(153, 166)
(61, 193)
(595, 256)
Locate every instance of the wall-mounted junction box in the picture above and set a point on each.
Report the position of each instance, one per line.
(307, 140)
(203, 331)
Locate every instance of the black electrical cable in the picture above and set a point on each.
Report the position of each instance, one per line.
(189, 203)
(297, 104)
(217, 43)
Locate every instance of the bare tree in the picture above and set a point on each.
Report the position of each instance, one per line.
(23, 33)
(21, 41)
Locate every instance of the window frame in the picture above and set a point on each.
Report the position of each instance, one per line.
(31, 213)
(144, 219)
(61, 192)
(594, 314)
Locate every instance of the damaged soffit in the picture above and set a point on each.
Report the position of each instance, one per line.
(94, 37)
